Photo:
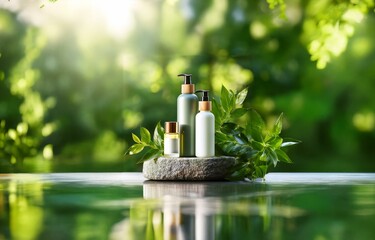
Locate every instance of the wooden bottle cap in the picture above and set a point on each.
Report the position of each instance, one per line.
(171, 127)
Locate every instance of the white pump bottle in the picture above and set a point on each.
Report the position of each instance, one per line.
(205, 128)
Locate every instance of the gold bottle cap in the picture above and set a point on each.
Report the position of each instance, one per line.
(205, 106)
(171, 127)
(187, 88)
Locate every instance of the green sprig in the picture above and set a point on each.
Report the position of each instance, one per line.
(147, 147)
(254, 146)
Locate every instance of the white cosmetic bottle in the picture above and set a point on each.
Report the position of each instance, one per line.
(171, 140)
(205, 128)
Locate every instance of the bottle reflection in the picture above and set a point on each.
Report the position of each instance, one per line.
(172, 221)
(193, 210)
(204, 221)
(186, 214)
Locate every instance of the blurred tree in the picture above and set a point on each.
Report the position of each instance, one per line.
(11, 33)
(81, 90)
(21, 106)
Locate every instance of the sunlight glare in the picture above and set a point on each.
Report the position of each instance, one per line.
(118, 15)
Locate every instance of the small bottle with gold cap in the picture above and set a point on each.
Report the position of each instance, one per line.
(205, 128)
(171, 140)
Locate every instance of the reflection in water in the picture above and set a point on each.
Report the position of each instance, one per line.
(204, 211)
(78, 207)
(364, 200)
(20, 209)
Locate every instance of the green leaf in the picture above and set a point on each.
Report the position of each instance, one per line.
(271, 156)
(244, 137)
(217, 108)
(241, 96)
(233, 146)
(263, 156)
(283, 156)
(238, 112)
(278, 125)
(260, 171)
(136, 138)
(240, 138)
(225, 99)
(230, 128)
(159, 136)
(218, 111)
(256, 119)
(145, 136)
(220, 137)
(232, 100)
(134, 149)
(257, 145)
(275, 142)
(230, 148)
(151, 153)
(256, 126)
(160, 129)
(238, 172)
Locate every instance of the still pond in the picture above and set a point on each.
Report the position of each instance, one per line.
(315, 206)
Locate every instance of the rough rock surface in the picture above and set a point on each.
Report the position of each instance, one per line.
(188, 168)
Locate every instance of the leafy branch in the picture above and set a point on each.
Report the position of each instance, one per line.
(150, 148)
(16, 144)
(254, 146)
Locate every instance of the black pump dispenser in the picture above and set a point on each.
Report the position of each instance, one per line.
(205, 96)
(187, 77)
(187, 87)
(205, 103)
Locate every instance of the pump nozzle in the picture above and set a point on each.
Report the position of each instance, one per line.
(205, 96)
(187, 86)
(187, 77)
(205, 103)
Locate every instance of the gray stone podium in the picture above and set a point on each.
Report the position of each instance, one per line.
(188, 168)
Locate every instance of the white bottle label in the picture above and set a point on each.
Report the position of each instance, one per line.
(171, 146)
(205, 134)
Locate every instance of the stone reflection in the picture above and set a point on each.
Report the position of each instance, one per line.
(205, 211)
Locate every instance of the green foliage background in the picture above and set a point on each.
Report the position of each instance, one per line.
(70, 97)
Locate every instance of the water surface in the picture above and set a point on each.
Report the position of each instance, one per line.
(126, 206)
